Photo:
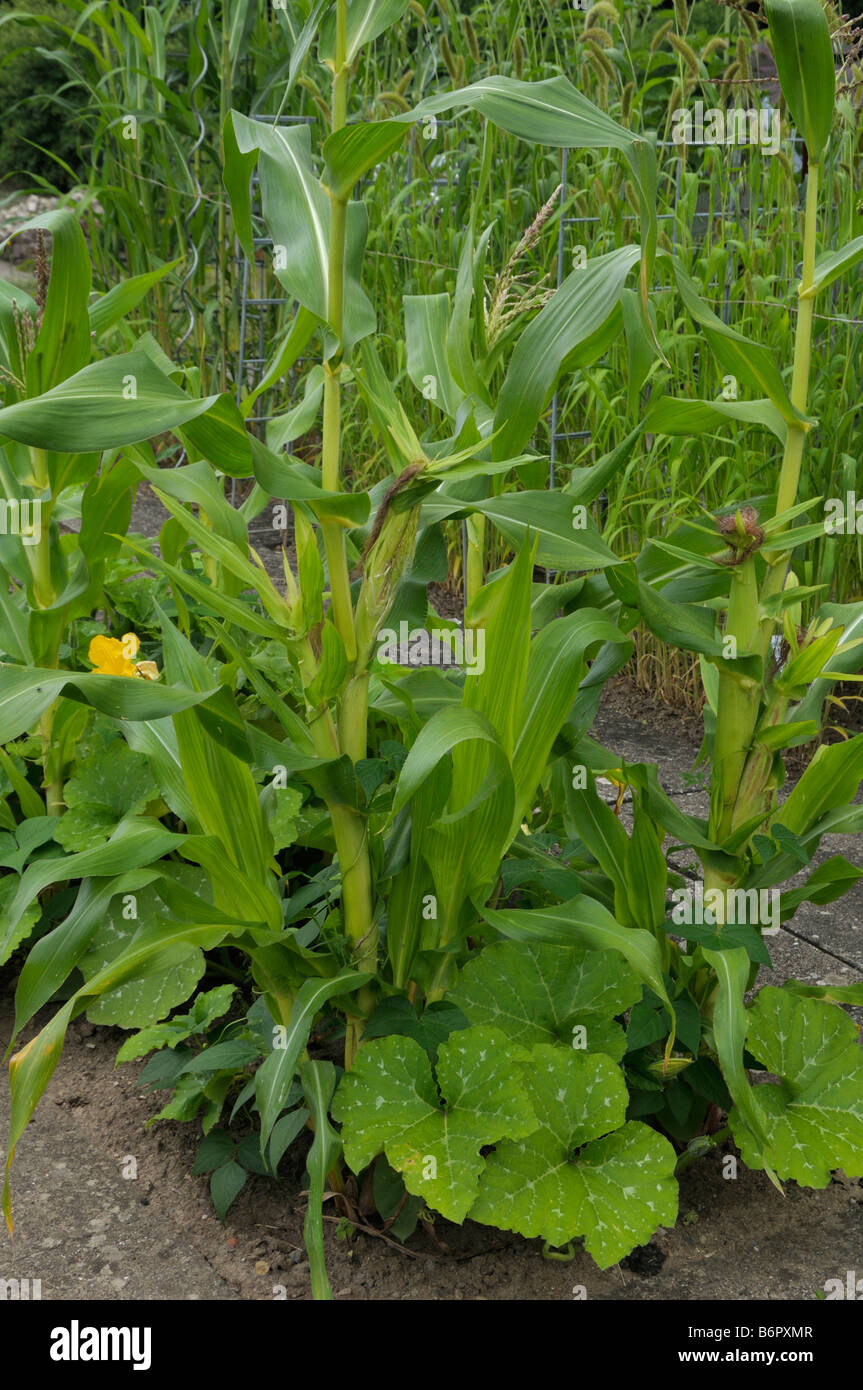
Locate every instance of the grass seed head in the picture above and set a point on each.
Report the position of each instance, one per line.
(470, 38)
(518, 57)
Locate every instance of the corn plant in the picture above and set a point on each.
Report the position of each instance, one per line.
(357, 829)
(765, 679)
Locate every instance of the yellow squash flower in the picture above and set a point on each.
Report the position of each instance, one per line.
(112, 656)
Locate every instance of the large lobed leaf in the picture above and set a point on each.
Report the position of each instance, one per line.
(584, 922)
(144, 1000)
(579, 1174)
(814, 1116)
(389, 1103)
(106, 786)
(539, 993)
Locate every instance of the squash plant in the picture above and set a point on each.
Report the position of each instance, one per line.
(487, 1071)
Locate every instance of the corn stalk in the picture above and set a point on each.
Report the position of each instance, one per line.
(741, 773)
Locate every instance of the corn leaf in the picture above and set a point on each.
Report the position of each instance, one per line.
(25, 692)
(366, 19)
(274, 1077)
(63, 342)
(296, 210)
(557, 663)
(120, 400)
(574, 312)
(750, 362)
(136, 843)
(675, 415)
(804, 60)
(318, 1080)
(221, 788)
(121, 299)
(849, 616)
(426, 325)
(831, 264)
(545, 517)
(831, 779)
(729, 1031)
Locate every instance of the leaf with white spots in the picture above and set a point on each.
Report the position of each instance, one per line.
(139, 1002)
(282, 816)
(389, 1103)
(538, 993)
(579, 1174)
(814, 1116)
(106, 786)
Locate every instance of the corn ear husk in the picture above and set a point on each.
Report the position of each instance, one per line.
(384, 565)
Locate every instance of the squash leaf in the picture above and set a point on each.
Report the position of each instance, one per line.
(389, 1103)
(539, 993)
(580, 1174)
(814, 1116)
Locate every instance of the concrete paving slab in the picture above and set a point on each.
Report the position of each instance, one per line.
(658, 737)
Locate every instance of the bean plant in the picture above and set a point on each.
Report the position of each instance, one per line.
(276, 794)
